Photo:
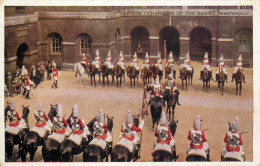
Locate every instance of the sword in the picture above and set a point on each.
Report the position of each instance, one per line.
(205, 129)
(244, 132)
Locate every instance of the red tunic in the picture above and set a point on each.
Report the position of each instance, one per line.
(188, 62)
(84, 59)
(134, 128)
(197, 146)
(172, 62)
(223, 65)
(148, 63)
(208, 62)
(167, 141)
(122, 60)
(237, 149)
(27, 81)
(160, 62)
(55, 71)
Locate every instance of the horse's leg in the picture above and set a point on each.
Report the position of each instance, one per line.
(107, 81)
(236, 88)
(186, 85)
(131, 81)
(95, 81)
(134, 81)
(169, 107)
(240, 88)
(116, 81)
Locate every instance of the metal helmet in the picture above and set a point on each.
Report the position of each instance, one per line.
(135, 55)
(159, 56)
(109, 53)
(39, 105)
(206, 55)
(101, 116)
(187, 56)
(240, 58)
(97, 53)
(75, 111)
(12, 107)
(84, 54)
(171, 75)
(196, 123)
(163, 118)
(59, 112)
(170, 56)
(157, 81)
(128, 117)
(146, 55)
(236, 124)
(221, 57)
(121, 54)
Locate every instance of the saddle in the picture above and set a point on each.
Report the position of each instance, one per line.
(12, 130)
(76, 138)
(39, 130)
(197, 152)
(57, 137)
(99, 142)
(127, 144)
(164, 147)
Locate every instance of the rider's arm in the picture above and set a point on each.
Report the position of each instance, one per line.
(45, 117)
(81, 124)
(169, 134)
(105, 127)
(189, 137)
(137, 129)
(203, 137)
(240, 140)
(188, 62)
(18, 116)
(225, 139)
(149, 62)
(65, 122)
(156, 133)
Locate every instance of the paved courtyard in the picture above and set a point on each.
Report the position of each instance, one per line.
(215, 110)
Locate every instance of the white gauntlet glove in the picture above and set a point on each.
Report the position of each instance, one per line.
(141, 125)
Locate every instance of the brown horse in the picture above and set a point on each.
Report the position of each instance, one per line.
(205, 79)
(221, 81)
(146, 75)
(168, 71)
(92, 71)
(238, 79)
(105, 71)
(184, 77)
(132, 73)
(155, 71)
(119, 73)
(172, 98)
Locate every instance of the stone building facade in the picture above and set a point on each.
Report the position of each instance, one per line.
(62, 34)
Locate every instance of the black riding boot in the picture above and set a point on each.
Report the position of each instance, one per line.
(216, 78)
(28, 95)
(24, 91)
(211, 76)
(226, 78)
(244, 79)
(177, 99)
(174, 74)
(201, 72)
(233, 76)
(56, 84)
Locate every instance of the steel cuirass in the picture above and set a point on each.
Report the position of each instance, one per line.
(58, 124)
(11, 116)
(127, 129)
(196, 137)
(233, 139)
(98, 128)
(157, 88)
(162, 133)
(75, 125)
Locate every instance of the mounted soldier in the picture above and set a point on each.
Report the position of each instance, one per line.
(43, 124)
(170, 63)
(55, 73)
(170, 84)
(108, 61)
(100, 130)
(134, 62)
(23, 72)
(186, 64)
(84, 61)
(239, 65)
(206, 64)
(233, 140)
(146, 62)
(198, 145)
(16, 123)
(121, 61)
(163, 134)
(97, 61)
(156, 89)
(129, 132)
(221, 64)
(158, 62)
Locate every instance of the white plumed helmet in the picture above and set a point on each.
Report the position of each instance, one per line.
(109, 53)
(221, 57)
(206, 55)
(170, 56)
(121, 54)
(101, 116)
(128, 117)
(135, 55)
(236, 124)
(157, 81)
(163, 118)
(159, 56)
(146, 55)
(240, 57)
(75, 111)
(39, 105)
(196, 123)
(97, 53)
(12, 107)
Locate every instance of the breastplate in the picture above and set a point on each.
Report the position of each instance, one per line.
(163, 133)
(75, 126)
(196, 137)
(98, 128)
(157, 88)
(233, 139)
(127, 129)
(97, 59)
(58, 125)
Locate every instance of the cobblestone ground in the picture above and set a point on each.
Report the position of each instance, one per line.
(215, 110)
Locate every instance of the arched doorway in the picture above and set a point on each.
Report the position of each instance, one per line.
(200, 43)
(171, 36)
(140, 42)
(21, 50)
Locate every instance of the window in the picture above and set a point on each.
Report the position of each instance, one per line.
(56, 43)
(20, 9)
(244, 43)
(85, 45)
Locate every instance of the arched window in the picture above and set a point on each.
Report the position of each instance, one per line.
(56, 41)
(85, 44)
(244, 43)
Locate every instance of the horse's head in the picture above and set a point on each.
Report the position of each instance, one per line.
(183, 73)
(76, 67)
(205, 73)
(7, 108)
(173, 127)
(136, 119)
(110, 123)
(26, 112)
(53, 111)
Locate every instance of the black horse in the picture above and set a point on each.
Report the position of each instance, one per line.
(32, 139)
(68, 148)
(105, 71)
(7, 108)
(163, 155)
(121, 153)
(156, 109)
(172, 98)
(94, 153)
(11, 140)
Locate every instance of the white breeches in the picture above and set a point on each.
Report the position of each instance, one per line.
(236, 68)
(121, 64)
(27, 87)
(135, 66)
(224, 70)
(172, 66)
(55, 78)
(206, 66)
(96, 64)
(109, 65)
(187, 67)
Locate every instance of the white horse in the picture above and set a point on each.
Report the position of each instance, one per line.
(81, 71)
